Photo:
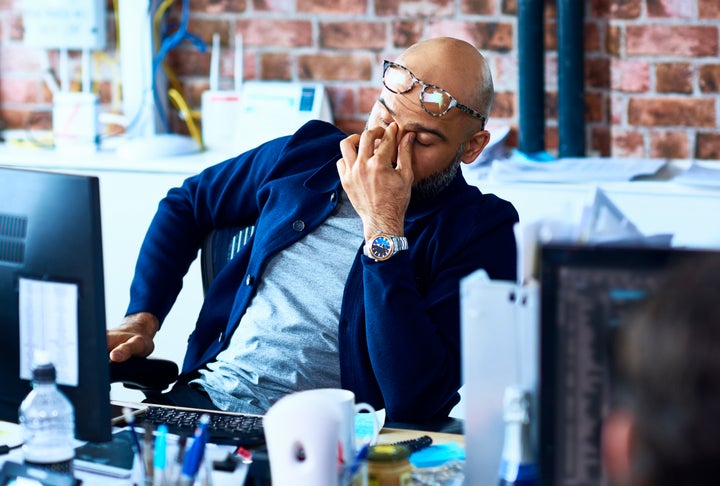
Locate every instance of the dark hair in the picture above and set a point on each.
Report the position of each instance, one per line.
(669, 375)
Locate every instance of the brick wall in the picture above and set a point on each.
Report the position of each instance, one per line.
(652, 66)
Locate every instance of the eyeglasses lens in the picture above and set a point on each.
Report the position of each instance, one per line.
(434, 100)
(397, 80)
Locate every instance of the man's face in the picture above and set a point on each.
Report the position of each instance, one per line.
(438, 145)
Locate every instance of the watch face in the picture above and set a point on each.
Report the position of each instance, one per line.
(381, 247)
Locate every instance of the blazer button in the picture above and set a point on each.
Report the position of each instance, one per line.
(333, 196)
(221, 336)
(299, 225)
(249, 280)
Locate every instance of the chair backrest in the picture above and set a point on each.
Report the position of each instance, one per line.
(219, 247)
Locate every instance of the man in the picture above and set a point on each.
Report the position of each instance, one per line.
(352, 277)
(664, 428)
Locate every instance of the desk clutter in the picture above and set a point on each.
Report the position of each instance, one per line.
(333, 441)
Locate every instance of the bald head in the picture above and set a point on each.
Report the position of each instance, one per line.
(454, 65)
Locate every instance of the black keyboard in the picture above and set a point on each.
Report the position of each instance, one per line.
(225, 428)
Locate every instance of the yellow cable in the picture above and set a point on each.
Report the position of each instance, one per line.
(181, 105)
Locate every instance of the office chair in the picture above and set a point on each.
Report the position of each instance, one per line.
(152, 376)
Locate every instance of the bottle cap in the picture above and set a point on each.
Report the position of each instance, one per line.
(44, 370)
(388, 453)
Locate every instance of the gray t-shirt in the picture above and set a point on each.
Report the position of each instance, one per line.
(287, 339)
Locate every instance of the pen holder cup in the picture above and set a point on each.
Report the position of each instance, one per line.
(171, 474)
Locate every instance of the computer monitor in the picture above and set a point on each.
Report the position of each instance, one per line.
(585, 293)
(52, 293)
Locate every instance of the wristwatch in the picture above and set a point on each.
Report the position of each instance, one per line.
(382, 246)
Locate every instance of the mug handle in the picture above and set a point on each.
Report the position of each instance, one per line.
(366, 407)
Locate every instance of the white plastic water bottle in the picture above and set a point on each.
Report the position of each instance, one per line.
(47, 420)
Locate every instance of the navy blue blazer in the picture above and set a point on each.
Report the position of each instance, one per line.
(399, 328)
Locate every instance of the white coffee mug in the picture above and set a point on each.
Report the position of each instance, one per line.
(310, 433)
(301, 432)
(345, 400)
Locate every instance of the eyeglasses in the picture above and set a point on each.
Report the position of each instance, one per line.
(433, 99)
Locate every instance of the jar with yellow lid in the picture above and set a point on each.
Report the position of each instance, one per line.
(389, 465)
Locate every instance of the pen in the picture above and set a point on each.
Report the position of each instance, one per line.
(148, 452)
(173, 472)
(194, 455)
(357, 460)
(130, 421)
(159, 461)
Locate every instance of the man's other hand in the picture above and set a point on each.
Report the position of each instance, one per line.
(133, 337)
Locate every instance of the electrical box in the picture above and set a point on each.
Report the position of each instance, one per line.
(63, 24)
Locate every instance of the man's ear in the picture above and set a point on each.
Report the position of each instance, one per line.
(475, 144)
(617, 431)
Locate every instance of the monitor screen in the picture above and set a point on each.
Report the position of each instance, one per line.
(585, 292)
(52, 293)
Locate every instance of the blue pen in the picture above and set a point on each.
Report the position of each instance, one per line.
(357, 461)
(194, 455)
(159, 460)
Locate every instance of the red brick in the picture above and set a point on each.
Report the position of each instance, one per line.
(594, 107)
(709, 9)
(657, 40)
(628, 144)
(367, 97)
(600, 141)
(342, 101)
(625, 9)
(413, 8)
(344, 7)
(618, 109)
(281, 6)
(592, 36)
(20, 90)
(275, 32)
(670, 145)
(335, 68)
(630, 76)
(707, 146)
(550, 35)
(205, 29)
(597, 72)
(509, 7)
(218, 6)
(276, 65)
(550, 105)
(694, 112)
(674, 77)
(552, 139)
(504, 71)
(613, 40)
(478, 7)
(710, 78)
(20, 58)
(491, 36)
(406, 32)
(189, 62)
(503, 105)
(676, 9)
(353, 35)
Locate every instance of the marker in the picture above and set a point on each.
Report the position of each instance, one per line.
(160, 460)
(194, 455)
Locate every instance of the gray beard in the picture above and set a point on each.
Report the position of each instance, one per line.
(434, 184)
